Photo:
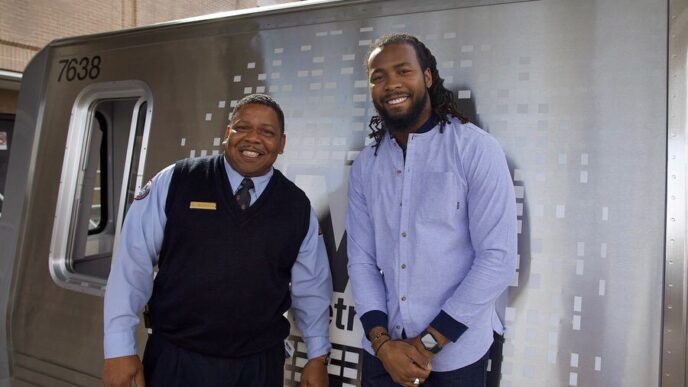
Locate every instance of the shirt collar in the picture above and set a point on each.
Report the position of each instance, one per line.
(428, 125)
(235, 178)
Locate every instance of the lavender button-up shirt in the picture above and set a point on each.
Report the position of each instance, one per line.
(432, 238)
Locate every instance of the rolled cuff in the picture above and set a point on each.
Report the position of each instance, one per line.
(372, 319)
(448, 327)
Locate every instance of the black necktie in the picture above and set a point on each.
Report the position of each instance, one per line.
(243, 197)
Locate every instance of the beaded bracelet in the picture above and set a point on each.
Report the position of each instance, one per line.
(379, 335)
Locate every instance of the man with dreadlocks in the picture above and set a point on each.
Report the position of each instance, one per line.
(431, 228)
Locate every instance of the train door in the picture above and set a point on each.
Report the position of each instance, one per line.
(107, 144)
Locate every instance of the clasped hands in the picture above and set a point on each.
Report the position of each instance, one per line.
(404, 360)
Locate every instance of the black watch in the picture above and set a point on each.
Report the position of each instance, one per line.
(429, 342)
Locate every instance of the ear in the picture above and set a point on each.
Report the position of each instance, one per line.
(428, 77)
(229, 129)
(283, 142)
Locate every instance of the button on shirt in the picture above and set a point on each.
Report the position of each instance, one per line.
(432, 238)
(131, 276)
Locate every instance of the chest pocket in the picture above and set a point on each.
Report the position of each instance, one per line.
(440, 197)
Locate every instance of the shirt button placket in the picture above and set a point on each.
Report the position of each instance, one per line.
(404, 184)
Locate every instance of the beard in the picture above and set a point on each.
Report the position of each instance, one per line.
(401, 122)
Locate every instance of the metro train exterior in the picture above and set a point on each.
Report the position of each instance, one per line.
(586, 97)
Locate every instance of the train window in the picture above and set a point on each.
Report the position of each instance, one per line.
(103, 168)
(98, 218)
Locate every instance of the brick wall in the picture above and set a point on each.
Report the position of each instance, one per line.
(27, 26)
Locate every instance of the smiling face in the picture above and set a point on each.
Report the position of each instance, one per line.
(399, 87)
(253, 140)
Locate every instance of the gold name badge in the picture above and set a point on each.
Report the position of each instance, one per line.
(203, 206)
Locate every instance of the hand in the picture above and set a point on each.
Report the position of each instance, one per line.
(315, 373)
(122, 371)
(404, 363)
(415, 341)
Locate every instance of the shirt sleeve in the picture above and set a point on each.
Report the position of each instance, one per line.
(367, 284)
(311, 291)
(130, 283)
(492, 227)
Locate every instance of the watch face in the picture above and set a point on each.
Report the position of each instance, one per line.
(428, 341)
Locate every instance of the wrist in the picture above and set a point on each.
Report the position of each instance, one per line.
(428, 342)
(322, 359)
(376, 332)
(378, 339)
(442, 340)
(381, 348)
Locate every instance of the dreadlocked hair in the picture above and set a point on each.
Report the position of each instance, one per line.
(442, 101)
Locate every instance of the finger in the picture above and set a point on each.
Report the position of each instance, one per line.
(418, 359)
(415, 371)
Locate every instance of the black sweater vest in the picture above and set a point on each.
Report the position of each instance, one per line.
(223, 274)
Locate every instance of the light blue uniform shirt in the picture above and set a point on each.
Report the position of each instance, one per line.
(130, 284)
(434, 233)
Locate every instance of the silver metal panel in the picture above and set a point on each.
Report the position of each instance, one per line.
(675, 297)
(20, 169)
(43, 373)
(10, 80)
(575, 91)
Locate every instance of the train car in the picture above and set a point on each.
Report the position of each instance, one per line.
(586, 97)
